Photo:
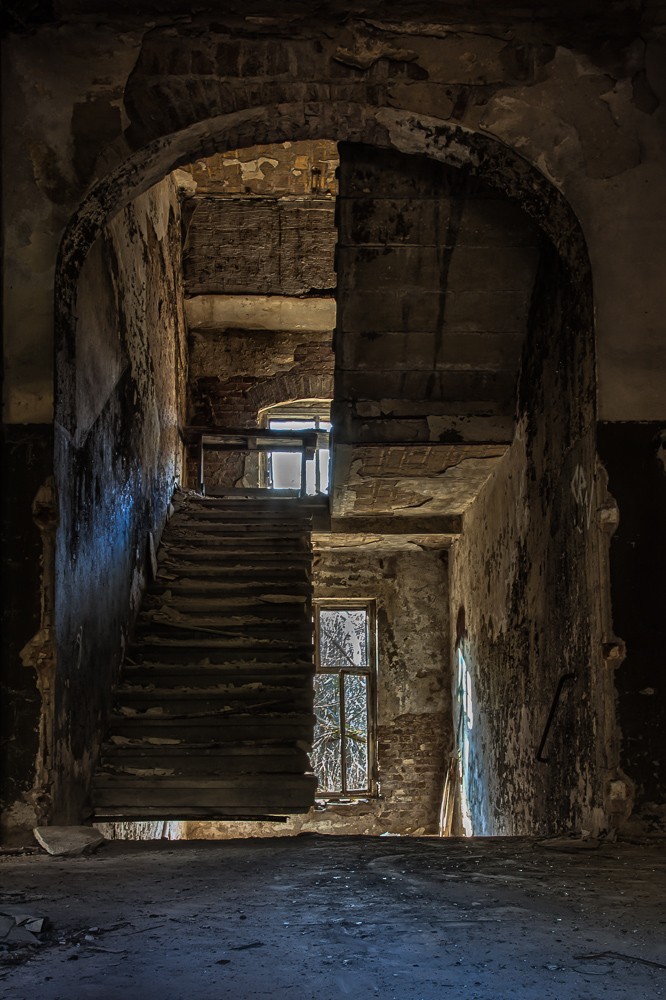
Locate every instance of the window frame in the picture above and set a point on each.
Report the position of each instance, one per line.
(369, 605)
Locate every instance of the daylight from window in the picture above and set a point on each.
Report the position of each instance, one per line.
(340, 756)
(284, 470)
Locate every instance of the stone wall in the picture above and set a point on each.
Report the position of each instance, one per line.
(414, 731)
(118, 455)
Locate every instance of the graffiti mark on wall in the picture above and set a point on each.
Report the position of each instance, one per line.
(583, 492)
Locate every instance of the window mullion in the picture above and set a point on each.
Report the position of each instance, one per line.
(343, 738)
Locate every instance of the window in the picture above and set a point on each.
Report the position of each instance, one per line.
(282, 471)
(342, 755)
(284, 467)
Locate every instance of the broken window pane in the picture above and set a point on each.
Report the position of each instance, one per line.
(356, 731)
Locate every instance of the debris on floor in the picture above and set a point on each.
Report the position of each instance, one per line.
(68, 841)
(19, 926)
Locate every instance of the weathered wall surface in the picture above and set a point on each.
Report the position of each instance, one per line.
(525, 594)
(414, 732)
(259, 247)
(299, 169)
(634, 459)
(118, 453)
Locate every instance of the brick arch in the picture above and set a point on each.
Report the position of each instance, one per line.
(287, 388)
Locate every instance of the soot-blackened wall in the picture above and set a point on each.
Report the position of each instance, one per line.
(634, 455)
(524, 590)
(118, 453)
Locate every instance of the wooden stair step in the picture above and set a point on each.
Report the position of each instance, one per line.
(164, 626)
(226, 556)
(181, 702)
(234, 574)
(221, 540)
(279, 792)
(219, 730)
(228, 608)
(218, 674)
(216, 760)
(293, 589)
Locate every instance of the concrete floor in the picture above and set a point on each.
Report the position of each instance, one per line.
(328, 917)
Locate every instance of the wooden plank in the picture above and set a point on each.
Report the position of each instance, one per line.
(217, 671)
(195, 607)
(218, 550)
(198, 763)
(188, 703)
(219, 731)
(285, 637)
(217, 651)
(249, 672)
(252, 783)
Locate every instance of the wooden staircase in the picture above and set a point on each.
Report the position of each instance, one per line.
(213, 718)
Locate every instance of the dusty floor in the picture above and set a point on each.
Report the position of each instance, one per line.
(329, 917)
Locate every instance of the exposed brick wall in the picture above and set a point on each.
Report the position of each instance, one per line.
(411, 763)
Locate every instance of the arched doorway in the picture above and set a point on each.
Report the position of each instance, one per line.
(556, 383)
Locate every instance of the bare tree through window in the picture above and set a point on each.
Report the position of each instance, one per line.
(343, 686)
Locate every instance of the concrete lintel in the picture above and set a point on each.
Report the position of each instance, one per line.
(447, 524)
(342, 541)
(260, 312)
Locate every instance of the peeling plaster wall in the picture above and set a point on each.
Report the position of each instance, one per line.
(414, 733)
(118, 454)
(526, 598)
